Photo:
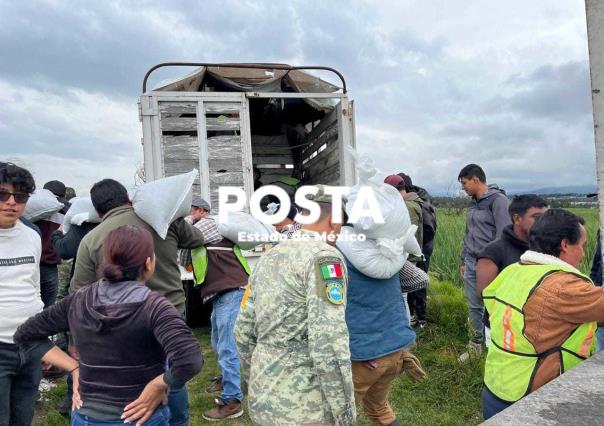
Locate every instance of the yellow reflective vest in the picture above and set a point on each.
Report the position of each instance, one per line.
(512, 360)
(199, 258)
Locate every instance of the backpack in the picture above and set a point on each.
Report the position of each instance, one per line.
(428, 219)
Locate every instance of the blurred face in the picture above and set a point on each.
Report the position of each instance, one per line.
(573, 253)
(524, 223)
(470, 186)
(10, 209)
(281, 225)
(198, 213)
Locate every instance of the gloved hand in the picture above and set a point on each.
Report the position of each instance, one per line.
(412, 367)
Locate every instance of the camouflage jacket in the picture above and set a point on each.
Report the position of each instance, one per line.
(292, 337)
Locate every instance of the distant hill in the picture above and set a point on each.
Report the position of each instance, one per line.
(576, 189)
(550, 190)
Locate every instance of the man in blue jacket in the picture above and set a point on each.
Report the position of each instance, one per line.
(380, 337)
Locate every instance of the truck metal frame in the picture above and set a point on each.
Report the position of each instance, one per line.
(221, 144)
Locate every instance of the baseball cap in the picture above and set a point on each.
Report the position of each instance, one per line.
(396, 181)
(200, 203)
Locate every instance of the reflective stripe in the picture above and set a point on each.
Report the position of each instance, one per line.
(509, 340)
(219, 248)
(585, 349)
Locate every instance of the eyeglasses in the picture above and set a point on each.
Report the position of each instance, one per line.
(20, 197)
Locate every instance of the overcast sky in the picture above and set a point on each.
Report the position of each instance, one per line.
(436, 84)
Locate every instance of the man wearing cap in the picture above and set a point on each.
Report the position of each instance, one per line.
(221, 273)
(288, 226)
(49, 272)
(291, 331)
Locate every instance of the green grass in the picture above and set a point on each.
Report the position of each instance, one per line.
(450, 395)
(450, 233)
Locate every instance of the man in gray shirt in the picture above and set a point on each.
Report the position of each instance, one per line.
(486, 218)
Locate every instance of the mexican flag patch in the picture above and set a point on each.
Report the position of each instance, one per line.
(331, 270)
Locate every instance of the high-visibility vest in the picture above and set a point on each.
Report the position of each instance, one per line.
(199, 258)
(512, 359)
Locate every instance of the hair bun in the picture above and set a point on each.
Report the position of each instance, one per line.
(113, 272)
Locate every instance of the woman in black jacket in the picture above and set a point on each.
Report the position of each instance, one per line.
(123, 333)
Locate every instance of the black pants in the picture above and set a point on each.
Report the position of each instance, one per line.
(49, 283)
(417, 303)
(417, 300)
(20, 376)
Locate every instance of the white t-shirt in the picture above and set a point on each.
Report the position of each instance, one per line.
(20, 251)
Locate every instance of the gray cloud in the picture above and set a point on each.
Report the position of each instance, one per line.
(432, 91)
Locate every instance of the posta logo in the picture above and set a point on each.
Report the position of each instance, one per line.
(365, 204)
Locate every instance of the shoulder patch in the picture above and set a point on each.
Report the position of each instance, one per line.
(334, 290)
(331, 268)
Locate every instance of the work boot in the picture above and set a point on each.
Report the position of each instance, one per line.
(216, 385)
(474, 351)
(224, 410)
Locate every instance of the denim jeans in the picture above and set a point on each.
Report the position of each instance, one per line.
(20, 376)
(491, 405)
(178, 403)
(160, 417)
(49, 284)
(600, 339)
(224, 314)
(475, 305)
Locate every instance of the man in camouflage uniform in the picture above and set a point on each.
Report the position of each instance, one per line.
(291, 332)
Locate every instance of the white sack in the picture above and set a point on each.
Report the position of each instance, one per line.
(81, 211)
(381, 259)
(42, 204)
(389, 202)
(245, 223)
(162, 201)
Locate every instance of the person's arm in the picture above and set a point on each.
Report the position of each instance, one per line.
(66, 245)
(179, 344)
(486, 271)
(328, 342)
(245, 336)
(188, 236)
(501, 216)
(577, 300)
(419, 234)
(49, 322)
(58, 358)
(85, 271)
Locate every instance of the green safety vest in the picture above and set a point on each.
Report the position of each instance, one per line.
(512, 360)
(199, 258)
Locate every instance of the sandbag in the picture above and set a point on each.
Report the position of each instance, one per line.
(81, 211)
(241, 222)
(394, 212)
(42, 204)
(381, 258)
(162, 201)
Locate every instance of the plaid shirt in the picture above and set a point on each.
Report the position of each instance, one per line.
(209, 229)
